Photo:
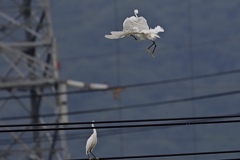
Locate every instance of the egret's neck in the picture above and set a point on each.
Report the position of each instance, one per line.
(94, 131)
(136, 13)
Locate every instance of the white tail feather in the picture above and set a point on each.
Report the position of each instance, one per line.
(159, 29)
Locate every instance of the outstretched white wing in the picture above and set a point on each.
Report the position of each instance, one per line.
(120, 34)
(115, 35)
(157, 29)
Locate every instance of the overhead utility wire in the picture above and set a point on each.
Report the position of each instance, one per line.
(133, 106)
(170, 155)
(129, 121)
(230, 159)
(74, 136)
(81, 135)
(222, 153)
(126, 126)
(128, 85)
(195, 45)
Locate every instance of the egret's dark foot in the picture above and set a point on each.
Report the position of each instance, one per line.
(89, 157)
(151, 53)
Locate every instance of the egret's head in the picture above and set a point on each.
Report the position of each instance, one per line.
(136, 12)
(92, 123)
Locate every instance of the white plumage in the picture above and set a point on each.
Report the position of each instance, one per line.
(91, 142)
(137, 26)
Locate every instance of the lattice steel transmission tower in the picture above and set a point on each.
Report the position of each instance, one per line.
(29, 66)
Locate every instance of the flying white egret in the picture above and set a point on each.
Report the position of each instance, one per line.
(91, 142)
(137, 26)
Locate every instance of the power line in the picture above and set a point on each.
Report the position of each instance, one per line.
(126, 126)
(171, 155)
(129, 85)
(159, 103)
(114, 132)
(128, 121)
(230, 159)
(192, 68)
(195, 45)
(80, 135)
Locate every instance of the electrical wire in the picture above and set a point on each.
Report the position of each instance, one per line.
(187, 78)
(159, 103)
(125, 126)
(128, 121)
(73, 136)
(80, 135)
(194, 45)
(230, 158)
(170, 155)
(191, 69)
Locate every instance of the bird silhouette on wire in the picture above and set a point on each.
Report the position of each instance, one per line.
(135, 26)
(91, 143)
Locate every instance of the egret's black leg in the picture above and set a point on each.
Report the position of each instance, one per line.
(152, 53)
(154, 47)
(134, 37)
(93, 154)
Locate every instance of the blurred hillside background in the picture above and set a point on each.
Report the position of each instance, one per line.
(201, 38)
(200, 44)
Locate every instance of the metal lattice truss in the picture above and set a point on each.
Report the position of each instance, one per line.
(20, 18)
(22, 68)
(28, 65)
(30, 145)
(27, 46)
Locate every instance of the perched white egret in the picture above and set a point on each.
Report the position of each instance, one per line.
(137, 26)
(91, 142)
